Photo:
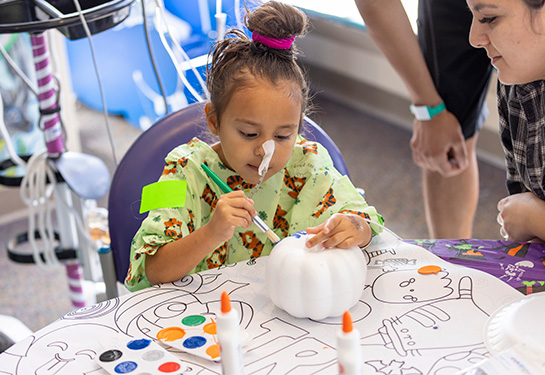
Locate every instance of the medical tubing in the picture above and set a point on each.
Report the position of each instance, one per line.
(161, 7)
(383, 227)
(162, 20)
(152, 57)
(193, 69)
(99, 80)
(177, 65)
(18, 71)
(35, 193)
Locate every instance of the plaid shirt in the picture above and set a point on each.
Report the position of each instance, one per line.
(522, 130)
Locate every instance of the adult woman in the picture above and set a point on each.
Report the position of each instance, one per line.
(513, 34)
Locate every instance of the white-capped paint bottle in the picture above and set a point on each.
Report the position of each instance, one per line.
(228, 332)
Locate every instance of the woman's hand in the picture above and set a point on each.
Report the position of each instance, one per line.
(232, 210)
(523, 217)
(439, 145)
(342, 231)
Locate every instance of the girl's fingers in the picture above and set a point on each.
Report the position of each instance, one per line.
(237, 199)
(316, 229)
(338, 231)
(324, 232)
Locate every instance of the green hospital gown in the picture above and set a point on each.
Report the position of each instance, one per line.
(304, 194)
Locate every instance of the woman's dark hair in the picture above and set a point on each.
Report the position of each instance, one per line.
(534, 4)
(237, 55)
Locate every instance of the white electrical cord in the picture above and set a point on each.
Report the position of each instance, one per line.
(104, 108)
(35, 193)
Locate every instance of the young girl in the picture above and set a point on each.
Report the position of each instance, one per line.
(513, 34)
(257, 93)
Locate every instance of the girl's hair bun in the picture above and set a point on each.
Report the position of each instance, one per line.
(276, 20)
(269, 55)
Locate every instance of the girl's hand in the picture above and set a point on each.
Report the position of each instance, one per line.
(342, 231)
(233, 210)
(523, 216)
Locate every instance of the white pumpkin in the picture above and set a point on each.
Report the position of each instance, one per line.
(314, 283)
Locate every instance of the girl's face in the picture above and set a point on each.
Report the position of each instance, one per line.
(256, 114)
(513, 36)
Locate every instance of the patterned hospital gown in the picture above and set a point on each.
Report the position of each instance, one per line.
(305, 193)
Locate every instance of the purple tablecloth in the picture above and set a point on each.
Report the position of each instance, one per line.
(519, 264)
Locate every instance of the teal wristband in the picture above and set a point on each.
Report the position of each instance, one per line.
(424, 113)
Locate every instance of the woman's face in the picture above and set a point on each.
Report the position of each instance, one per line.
(254, 115)
(513, 37)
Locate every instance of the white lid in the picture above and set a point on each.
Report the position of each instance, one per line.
(515, 323)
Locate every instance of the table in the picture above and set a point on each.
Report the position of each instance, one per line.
(409, 323)
(519, 264)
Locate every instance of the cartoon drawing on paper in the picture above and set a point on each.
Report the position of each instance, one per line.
(434, 325)
(411, 324)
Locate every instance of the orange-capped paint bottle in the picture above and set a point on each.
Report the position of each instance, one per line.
(228, 331)
(349, 354)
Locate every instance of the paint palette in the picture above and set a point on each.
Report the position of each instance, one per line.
(195, 334)
(138, 356)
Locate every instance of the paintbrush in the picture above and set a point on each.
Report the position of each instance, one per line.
(257, 220)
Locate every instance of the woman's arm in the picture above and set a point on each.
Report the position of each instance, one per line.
(437, 144)
(389, 27)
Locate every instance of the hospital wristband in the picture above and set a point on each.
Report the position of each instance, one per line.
(425, 113)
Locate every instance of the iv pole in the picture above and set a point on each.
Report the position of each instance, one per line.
(85, 175)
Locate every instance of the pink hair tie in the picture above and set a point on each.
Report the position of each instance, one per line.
(273, 42)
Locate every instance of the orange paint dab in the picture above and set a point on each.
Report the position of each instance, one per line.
(170, 334)
(213, 351)
(426, 270)
(210, 328)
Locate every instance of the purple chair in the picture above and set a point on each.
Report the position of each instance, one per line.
(143, 164)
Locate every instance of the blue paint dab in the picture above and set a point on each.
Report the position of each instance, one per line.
(138, 344)
(125, 367)
(194, 342)
(299, 234)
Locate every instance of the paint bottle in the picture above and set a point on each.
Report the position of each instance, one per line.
(348, 348)
(228, 332)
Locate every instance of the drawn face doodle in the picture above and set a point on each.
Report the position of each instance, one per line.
(56, 353)
(411, 287)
